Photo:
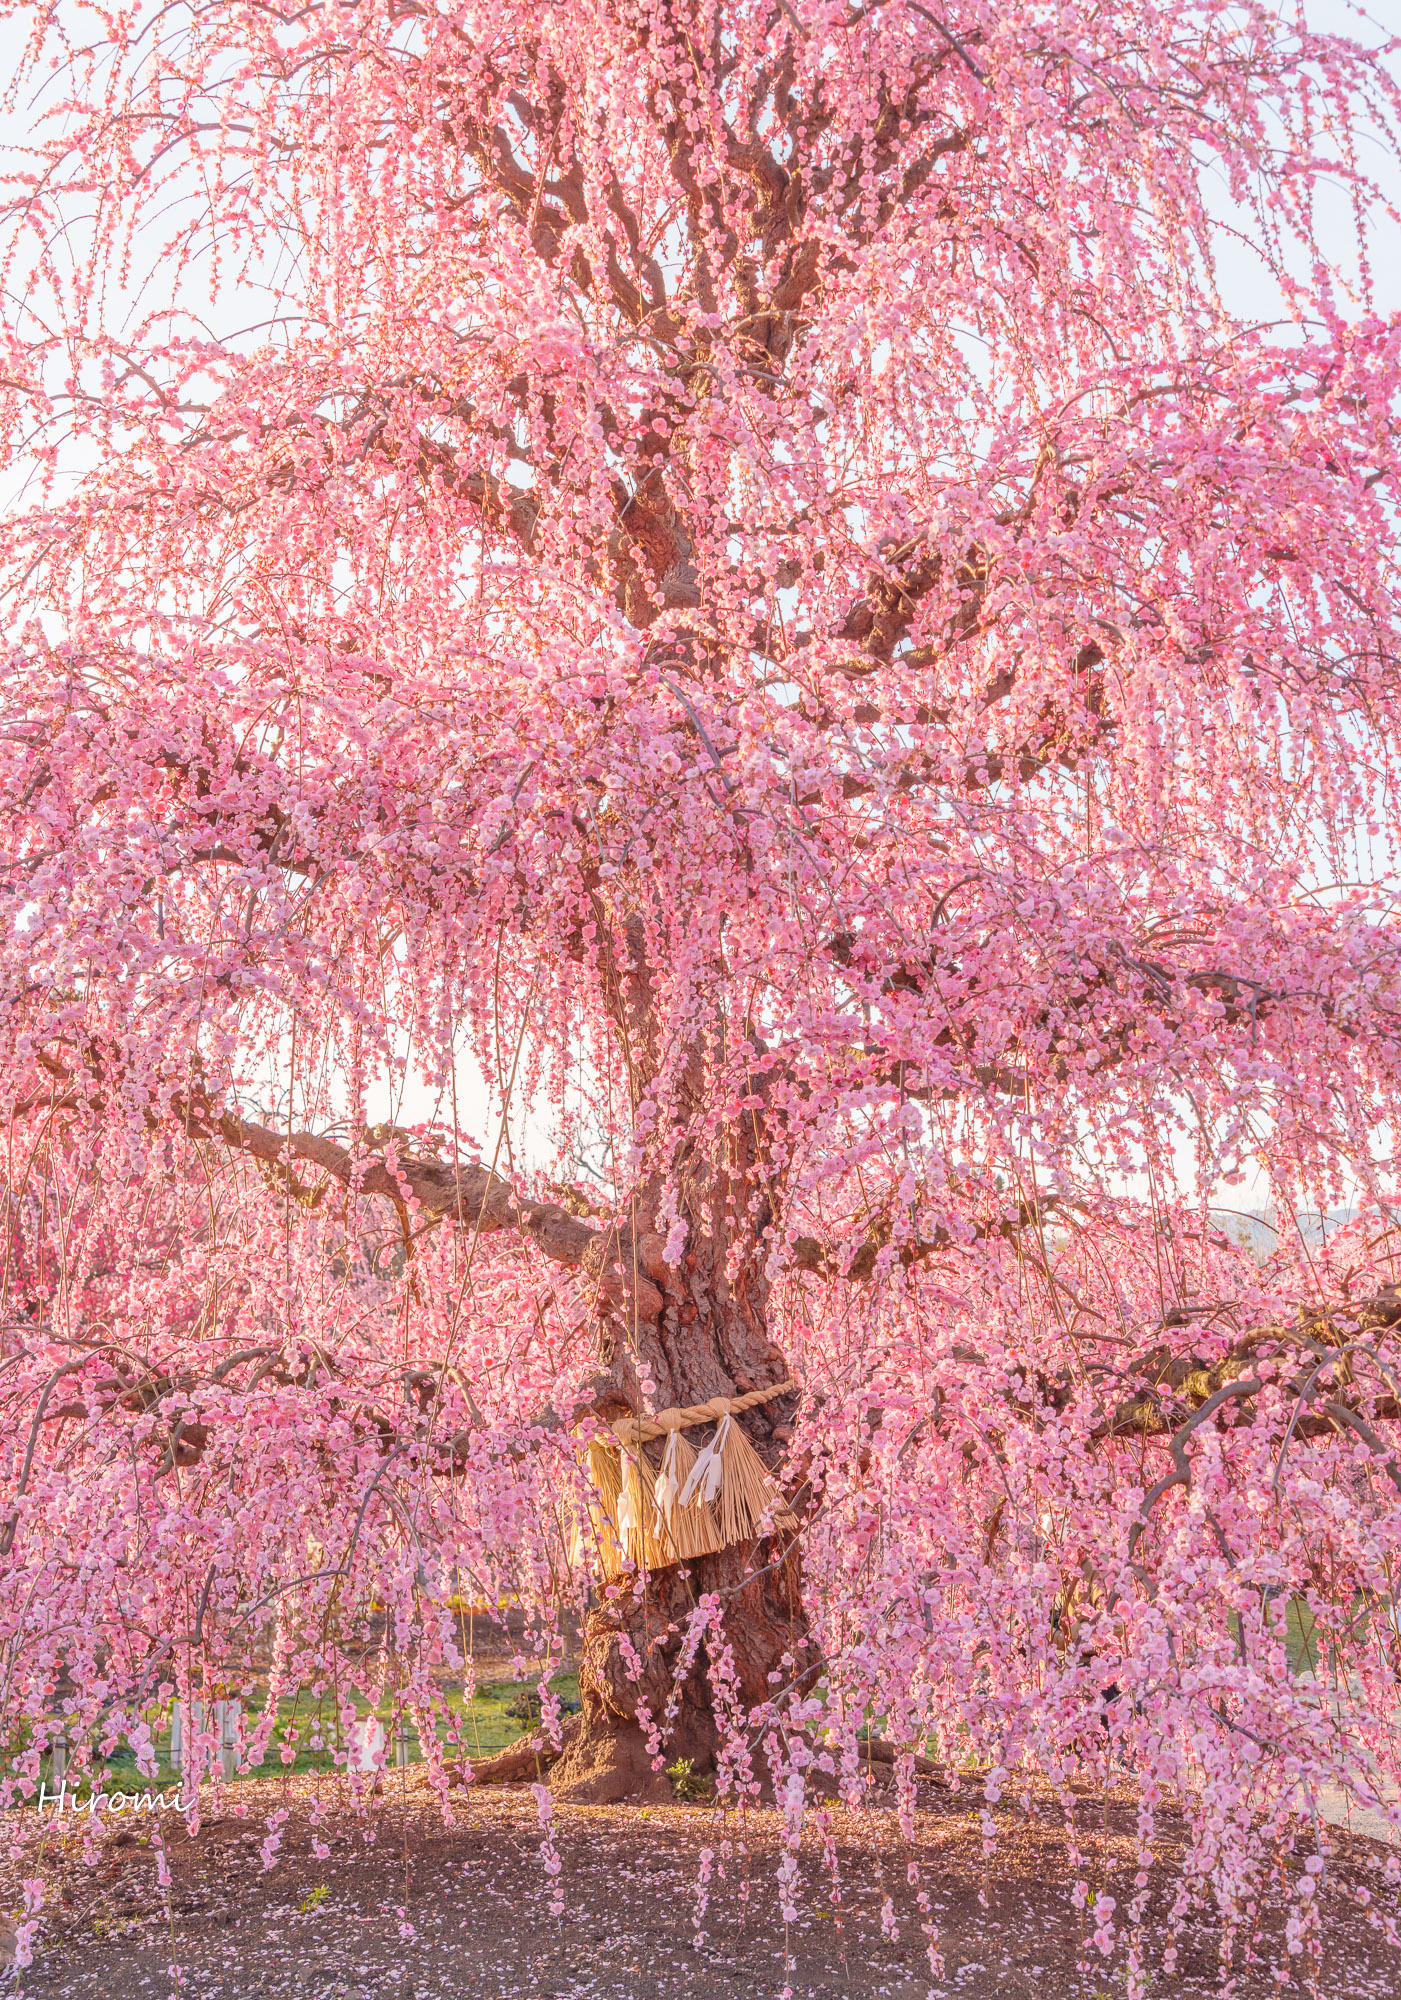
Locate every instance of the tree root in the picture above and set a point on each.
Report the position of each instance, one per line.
(524, 1763)
(602, 1770)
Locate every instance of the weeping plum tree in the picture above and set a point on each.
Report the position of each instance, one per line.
(731, 572)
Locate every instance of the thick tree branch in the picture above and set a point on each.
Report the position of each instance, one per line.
(470, 1195)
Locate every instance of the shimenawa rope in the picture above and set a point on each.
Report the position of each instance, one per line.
(694, 1503)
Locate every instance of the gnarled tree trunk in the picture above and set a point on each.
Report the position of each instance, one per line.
(606, 1755)
(700, 1334)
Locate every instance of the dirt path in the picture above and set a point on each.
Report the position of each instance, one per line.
(411, 1909)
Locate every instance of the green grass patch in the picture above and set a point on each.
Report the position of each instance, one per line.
(499, 1713)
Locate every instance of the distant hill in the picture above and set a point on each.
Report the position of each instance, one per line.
(1256, 1229)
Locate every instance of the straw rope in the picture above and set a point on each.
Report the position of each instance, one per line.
(641, 1430)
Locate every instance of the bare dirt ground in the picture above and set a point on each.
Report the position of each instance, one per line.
(406, 1907)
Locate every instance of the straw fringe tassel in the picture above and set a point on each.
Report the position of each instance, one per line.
(593, 1539)
(655, 1540)
(746, 1491)
(690, 1531)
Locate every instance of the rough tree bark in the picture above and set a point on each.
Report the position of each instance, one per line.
(703, 1336)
